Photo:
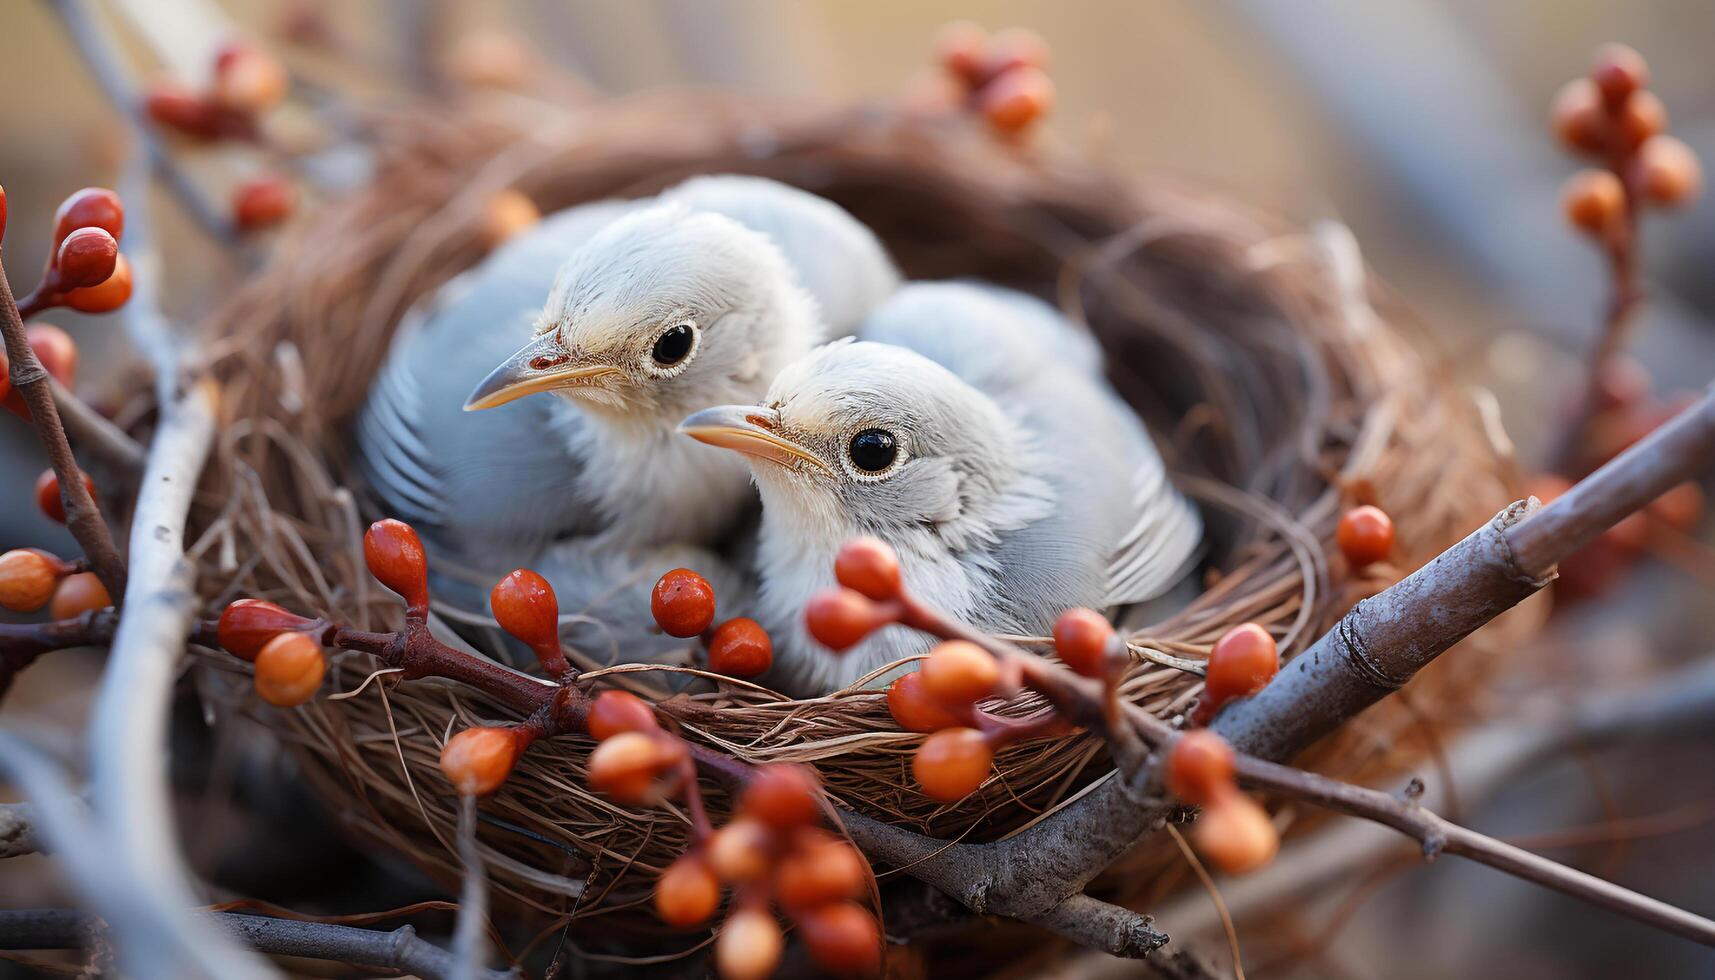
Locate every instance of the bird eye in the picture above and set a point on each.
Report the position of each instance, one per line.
(873, 450)
(674, 345)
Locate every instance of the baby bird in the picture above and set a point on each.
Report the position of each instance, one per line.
(630, 314)
(972, 430)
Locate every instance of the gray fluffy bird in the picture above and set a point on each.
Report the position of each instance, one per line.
(972, 430)
(632, 314)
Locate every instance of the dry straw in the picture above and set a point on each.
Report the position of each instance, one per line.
(1274, 370)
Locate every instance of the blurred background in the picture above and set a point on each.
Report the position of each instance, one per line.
(1420, 124)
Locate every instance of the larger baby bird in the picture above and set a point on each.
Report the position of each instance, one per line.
(622, 317)
(973, 432)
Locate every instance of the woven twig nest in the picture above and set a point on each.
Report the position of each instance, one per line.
(1276, 376)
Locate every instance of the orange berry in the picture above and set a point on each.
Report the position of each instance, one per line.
(289, 670)
(1081, 639)
(48, 494)
(959, 673)
(92, 207)
(27, 580)
(625, 765)
(824, 871)
(1667, 172)
(739, 851)
(1593, 201)
(869, 567)
(395, 557)
(247, 625)
(952, 763)
(1199, 767)
(87, 257)
(525, 606)
(683, 603)
(914, 708)
(1243, 661)
(78, 594)
(961, 47)
(1644, 116)
(1365, 535)
(1234, 833)
(840, 619)
(1014, 47)
(1578, 118)
(248, 79)
(56, 350)
(614, 712)
(782, 795)
(478, 760)
(1618, 72)
(108, 295)
(178, 108)
(1680, 508)
(262, 202)
(687, 893)
(1017, 99)
(740, 648)
(842, 938)
(506, 213)
(749, 946)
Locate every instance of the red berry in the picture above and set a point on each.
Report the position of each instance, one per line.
(1593, 201)
(1081, 638)
(958, 673)
(247, 625)
(961, 47)
(625, 765)
(86, 258)
(56, 350)
(1578, 118)
(739, 852)
(525, 606)
(749, 945)
(613, 712)
(952, 763)
(92, 207)
(262, 202)
(1618, 72)
(782, 795)
(108, 295)
(1017, 99)
(48, 494)
(683, 603)
(1667, 171)
(395, 557)
(27, 580)
(1645, 115)
(687, 893)
(289, 669)
(822, 871)
(1365, 535)
(478, 760)
(78, 594)
(914, 708)
(1015, 47)
(1235, 834)
(842, 938)
(1200, 767)
(839, 619)
(178, 108)
(869, 567)
(248, 79)
(1243, 661)
(740, 648)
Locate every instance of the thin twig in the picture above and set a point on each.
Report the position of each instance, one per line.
(95, 434)
(29, 379)
(401, 949)
(473, 898)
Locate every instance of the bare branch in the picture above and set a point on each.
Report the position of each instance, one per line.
(1098, 925)
(95, 434)
(400, 950)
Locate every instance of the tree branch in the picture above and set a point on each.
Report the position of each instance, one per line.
(95, 434)
(400, 949)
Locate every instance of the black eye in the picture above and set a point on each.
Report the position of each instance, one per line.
(672, 346)
(873, 450)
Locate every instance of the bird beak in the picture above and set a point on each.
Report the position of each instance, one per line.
(751, 430)
(543, 364)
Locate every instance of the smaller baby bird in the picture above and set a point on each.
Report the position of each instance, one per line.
(971, 430)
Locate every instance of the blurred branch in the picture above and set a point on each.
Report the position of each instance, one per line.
(401, 949)
(94, 433)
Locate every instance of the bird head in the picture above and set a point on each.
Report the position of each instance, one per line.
(661, 312)
(868, 438)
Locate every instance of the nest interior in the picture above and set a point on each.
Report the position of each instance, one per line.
(1277, 375)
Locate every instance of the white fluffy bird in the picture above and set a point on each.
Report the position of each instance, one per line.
(972, 430)
(632, 314)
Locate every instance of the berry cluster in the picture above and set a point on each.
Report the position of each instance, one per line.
(683, 604)
(1611, 115)
(86, 271)
(1003, 76)
(31, 579)
(1232, 830)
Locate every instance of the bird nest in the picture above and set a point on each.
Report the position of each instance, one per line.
(1276, 374)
